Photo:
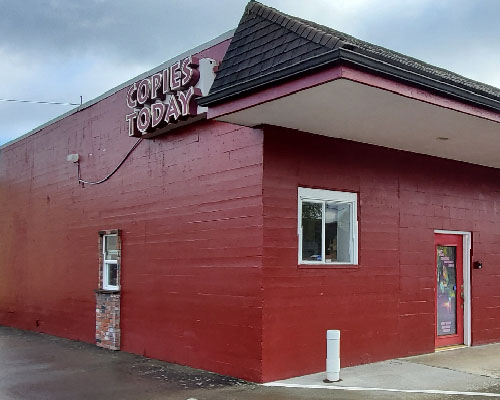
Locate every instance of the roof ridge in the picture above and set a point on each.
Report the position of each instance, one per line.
(297, 25)
(350, 42)
(293, 45)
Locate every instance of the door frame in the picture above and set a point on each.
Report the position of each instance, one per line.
(466, 237)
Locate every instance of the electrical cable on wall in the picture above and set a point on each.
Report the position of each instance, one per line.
(80, 180)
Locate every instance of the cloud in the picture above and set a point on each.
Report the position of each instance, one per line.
(59, 50)
(120, 30)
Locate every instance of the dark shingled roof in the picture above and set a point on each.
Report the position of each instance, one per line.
(269, 46)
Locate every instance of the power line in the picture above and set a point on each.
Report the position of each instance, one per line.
(40, 102)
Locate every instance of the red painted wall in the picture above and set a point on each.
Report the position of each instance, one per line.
(385, 306)
(189, 205)
(190, 208)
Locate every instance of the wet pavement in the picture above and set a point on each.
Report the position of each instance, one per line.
(35, 366)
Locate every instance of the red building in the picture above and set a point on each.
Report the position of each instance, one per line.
(319, 182)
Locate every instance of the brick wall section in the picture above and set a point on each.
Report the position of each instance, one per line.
(107, 326)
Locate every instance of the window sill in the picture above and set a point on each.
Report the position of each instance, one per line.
(353, 267)
(107, 291)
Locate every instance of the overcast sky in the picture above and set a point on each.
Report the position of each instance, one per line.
(59, 50)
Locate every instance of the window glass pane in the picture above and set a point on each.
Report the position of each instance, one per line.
(112, 274)
(111, 247)
(446, 290)
(311, 231)
(110, 242)
(338, 232)
(111, 255)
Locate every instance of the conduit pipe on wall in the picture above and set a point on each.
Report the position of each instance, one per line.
(332, 356)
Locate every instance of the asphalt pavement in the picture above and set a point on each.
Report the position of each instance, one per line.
(35, 366)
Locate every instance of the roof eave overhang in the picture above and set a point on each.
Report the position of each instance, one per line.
(342, 55)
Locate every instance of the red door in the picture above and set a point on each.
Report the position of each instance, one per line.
(449, 290)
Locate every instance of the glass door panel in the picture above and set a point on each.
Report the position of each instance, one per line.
(446, 290)
(449, 290)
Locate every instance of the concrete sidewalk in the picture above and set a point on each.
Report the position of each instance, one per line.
(465, 371)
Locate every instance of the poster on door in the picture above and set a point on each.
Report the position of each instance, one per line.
(446, 290)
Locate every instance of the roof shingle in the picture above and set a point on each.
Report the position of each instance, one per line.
(270, 42)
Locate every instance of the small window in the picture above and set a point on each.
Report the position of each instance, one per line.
(328, 227)
(110, 262)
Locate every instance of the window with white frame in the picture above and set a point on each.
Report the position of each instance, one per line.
(110, 262)
(327, 227)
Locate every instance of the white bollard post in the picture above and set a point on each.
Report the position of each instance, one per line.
(332, 356)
